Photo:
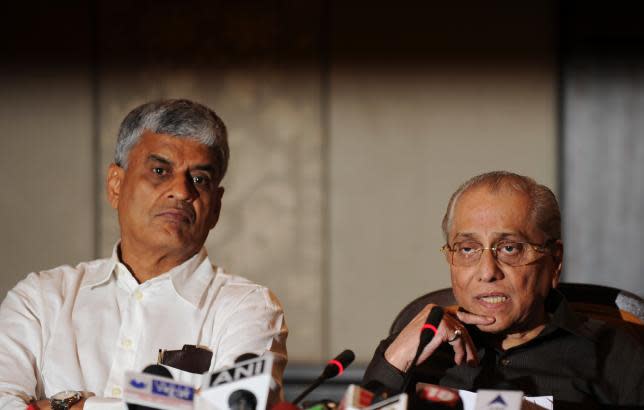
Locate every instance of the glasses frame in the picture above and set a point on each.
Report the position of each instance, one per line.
(543, 249)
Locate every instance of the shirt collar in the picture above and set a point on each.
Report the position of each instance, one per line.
(564, 317)
(100, 275)
(190, 279)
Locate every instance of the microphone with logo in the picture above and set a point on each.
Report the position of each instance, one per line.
(244, 386)
(243, 399)
(374, 394)
(155, 389)
(434, 397)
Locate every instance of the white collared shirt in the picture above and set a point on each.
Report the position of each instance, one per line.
(81, 328)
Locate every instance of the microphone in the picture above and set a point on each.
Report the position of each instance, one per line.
(158, 370)
(333, 368)
(359, 398)
(155, 387)
(284, 405)
(155, 369)
(244, 386)
(245, 356)
(242, 400)
(427, 333)
(324, 404)
(494, 399)
(431, 396)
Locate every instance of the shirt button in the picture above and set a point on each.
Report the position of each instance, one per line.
(116, 392)
(127, 343)
(138, 295)
(505, 362)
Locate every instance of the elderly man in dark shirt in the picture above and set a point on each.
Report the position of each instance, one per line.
(513, 329)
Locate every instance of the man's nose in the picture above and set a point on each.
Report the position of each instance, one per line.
(489, 269)
(182, 188)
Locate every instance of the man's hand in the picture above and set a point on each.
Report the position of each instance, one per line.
(403, 349)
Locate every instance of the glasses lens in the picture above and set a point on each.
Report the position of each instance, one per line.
(512, 253)
(466, 253)
(518, 253)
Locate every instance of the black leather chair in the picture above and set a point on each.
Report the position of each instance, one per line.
(602, 302)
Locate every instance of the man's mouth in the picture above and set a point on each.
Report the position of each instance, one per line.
(493, 299)
(179, 215)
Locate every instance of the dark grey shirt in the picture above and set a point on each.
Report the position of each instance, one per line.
(575, 359)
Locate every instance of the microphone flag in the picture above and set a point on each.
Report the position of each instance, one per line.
(245, 385)
(157, 391)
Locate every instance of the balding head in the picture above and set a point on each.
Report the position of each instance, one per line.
(545, 208)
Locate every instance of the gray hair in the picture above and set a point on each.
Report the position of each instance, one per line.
(545, 208)
(179, 118)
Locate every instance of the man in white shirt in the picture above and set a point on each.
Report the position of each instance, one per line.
(80, 328)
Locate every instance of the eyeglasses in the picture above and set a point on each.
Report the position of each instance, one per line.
(468, 253)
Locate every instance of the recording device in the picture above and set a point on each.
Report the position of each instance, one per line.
(244, 386)
(357, 397)
(427, 333)
(398, 402)
(434, 397)
(333, 368)
(427, 397)
(498, 399)
(324, 404)
(285, 405)
(379, 390)
(154, 388)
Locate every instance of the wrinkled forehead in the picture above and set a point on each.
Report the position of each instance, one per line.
(493, 211)
(172, 147)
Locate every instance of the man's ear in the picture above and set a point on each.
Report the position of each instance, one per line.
(114, 180)
(216, 207)
(557, 256)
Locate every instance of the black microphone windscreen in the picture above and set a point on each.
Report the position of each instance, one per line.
(157, 370)
(431, 324)
(245, 356)
(242, 400)
(337, 365)
(333, 368)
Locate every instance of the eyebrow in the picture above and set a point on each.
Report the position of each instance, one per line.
(158, 158)
(199, 167)
(465, 235)
(205, 167)
(498, 235)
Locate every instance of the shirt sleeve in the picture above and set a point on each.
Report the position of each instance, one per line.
(255, 325)
(21, 342)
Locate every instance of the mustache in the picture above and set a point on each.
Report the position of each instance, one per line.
(181, 208)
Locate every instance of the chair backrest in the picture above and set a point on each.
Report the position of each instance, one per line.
(602, 302)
